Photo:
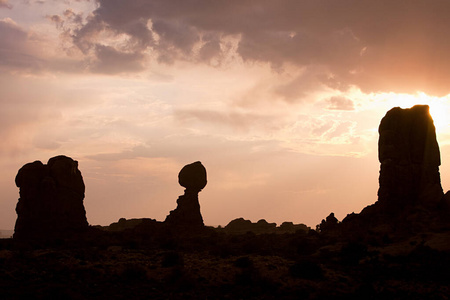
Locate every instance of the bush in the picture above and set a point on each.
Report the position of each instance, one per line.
(306, 270)
(172, 259)
(134, 272)
(352, 253)
(243, 262)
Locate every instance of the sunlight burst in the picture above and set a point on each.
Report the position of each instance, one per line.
(439, 107)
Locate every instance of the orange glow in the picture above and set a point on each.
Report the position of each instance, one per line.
(439, 107)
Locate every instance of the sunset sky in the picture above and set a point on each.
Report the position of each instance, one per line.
(280, 100)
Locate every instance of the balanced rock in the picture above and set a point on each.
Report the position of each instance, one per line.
(193, 176)
(409, 155)
(187, 214)
(51, 199)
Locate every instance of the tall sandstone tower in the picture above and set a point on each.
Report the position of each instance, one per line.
(409, 155)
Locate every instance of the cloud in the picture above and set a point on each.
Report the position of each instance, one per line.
(375, 45)
(29, 52)
(111, 61)
(239, 121)
(299, 87)
(176, 34)
(16, 49)
(210, 49)
(340, 103)
(5, 4)
(23, 110)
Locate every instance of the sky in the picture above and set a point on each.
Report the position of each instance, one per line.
(280, 100)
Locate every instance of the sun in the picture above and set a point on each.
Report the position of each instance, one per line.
(441, 119)
(439, 111)
(439, 107)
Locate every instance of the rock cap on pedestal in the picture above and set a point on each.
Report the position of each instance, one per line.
(193, 176)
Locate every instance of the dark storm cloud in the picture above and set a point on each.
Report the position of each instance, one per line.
(380, 45)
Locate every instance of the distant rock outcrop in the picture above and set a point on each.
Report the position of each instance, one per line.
(51, 199)
(328, 224)
(241, 226)
(187, 214)
(124, 224)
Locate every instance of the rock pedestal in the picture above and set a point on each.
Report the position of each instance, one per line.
(51, 199)
(187, 214)
(409, 155)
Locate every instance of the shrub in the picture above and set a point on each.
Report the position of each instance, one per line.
(172, 259)
(306, 269)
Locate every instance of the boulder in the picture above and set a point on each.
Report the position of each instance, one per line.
(51, 199)
(193, 176)
(239, 225)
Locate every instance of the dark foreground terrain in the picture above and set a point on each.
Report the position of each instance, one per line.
(213, 264)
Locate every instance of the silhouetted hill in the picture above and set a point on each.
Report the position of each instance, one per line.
(241, 226)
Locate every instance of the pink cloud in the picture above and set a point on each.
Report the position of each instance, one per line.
(16, 49)
(112, 61)
(340, 103)
(5, 4)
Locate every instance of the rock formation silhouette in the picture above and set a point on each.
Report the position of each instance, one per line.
(51, 199)
(409, 155)
(397, 248)
(410, 193)
(329, 223)
(187, 214)
(242, 226)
